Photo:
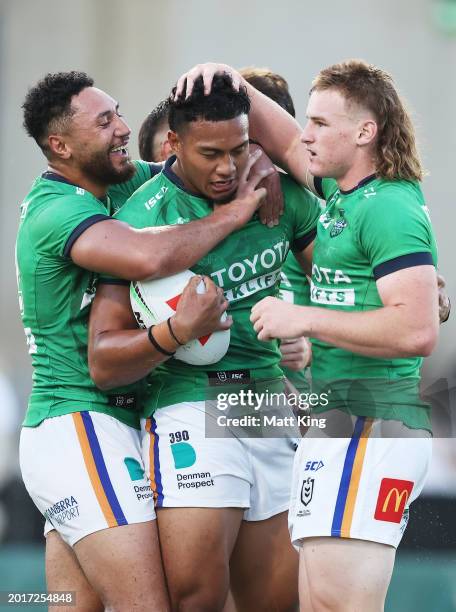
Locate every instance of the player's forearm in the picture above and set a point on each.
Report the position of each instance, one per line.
(389, 332)
(278, 133)
(122, 357)
(116, 249)
(176, 248)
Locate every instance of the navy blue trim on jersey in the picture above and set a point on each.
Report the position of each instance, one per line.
(172, 176)
(302, 243)
(53, 176)
(404, 261)
(80, 229)
(155, 169)
(104, 280)
(318, 184)
(361, 183)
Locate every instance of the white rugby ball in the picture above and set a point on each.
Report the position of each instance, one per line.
(154, 301)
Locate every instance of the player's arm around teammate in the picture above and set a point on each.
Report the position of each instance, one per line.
(209, 529)
(375, 311)
(281, 136)
(152, 252)
(97, 124)
(65, 231)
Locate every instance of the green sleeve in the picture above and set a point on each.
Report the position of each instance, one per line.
(304, 210)
(120, 193)
(62, 220)
(393, 224)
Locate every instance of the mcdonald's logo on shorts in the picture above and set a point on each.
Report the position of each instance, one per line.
(392, 498)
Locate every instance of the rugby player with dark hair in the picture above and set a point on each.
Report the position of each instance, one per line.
(153, 134)
(154, 147)
(221, 502)
(80, 451)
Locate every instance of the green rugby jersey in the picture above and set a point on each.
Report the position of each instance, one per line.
(246, 265)
(55, 295)
(375, 229)
(294, 288)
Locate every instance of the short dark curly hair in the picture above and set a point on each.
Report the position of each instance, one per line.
(221, 104)
(151, 124)
(47, 105)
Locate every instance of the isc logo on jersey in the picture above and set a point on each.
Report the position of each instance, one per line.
(156, 300)
(156, 198)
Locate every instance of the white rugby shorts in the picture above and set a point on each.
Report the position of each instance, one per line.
(188, 469)
(85, 473)
(361, 486)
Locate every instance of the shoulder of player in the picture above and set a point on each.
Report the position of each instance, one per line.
(390, 196)
(54, 200)
(44, 187)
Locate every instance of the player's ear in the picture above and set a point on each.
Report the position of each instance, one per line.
(165, 149)
(367, 132)
(174, 142)
(58, 147)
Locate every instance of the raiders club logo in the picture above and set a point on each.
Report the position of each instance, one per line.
(338, 226)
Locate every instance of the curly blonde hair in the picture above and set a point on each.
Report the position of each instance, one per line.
(370, 87)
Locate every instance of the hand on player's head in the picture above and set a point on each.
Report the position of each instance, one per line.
(200, 309)
(185, 83)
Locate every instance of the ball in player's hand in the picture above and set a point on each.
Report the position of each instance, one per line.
(155, 300)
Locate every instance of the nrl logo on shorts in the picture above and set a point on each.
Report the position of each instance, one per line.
(307, 490)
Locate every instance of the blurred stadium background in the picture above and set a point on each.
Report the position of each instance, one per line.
(135, 51)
